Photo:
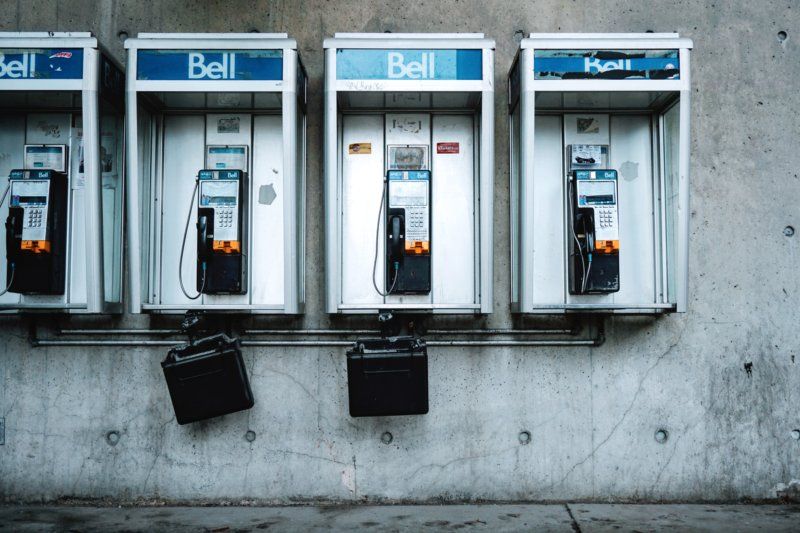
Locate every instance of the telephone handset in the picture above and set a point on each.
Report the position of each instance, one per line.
(594, 232)
(204, 239)
(36, 231)
(396, 236)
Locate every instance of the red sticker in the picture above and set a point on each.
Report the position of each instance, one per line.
(446, 148)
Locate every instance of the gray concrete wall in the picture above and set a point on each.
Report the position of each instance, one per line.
(592, 412)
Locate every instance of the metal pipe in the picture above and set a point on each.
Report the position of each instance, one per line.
(322, 332)
(556, 331)
(311, 332)
(97, 342)
(120, 332)
(312, 343)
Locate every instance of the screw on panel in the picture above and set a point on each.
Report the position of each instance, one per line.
(524, 437)
(387, 437)
(661, 436)
(250, 436)
(112, 438)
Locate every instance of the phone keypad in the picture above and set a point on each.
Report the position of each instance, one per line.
(606, 217)
(226, 218)
(35, 217)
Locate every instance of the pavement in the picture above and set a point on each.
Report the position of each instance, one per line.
(571, 517)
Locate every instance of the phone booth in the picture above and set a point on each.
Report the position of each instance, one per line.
(61, 149)
(409, 141)
(216, 165)
(599, 138)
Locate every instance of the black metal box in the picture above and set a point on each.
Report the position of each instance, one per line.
(387, 377)
(207, 378)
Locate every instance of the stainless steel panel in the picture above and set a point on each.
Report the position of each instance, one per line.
(414, 129)
(453, 211)
(267, 230)
(56, 128)
(630, 152)
(548, 276)
(514, 202)
(361, 194)
(184, 154)
(631, 155)
(231, 129)
(12, 139)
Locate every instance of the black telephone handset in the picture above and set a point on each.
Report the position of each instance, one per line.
(586, 219)
(397, 238)
(13, 232)
(205, 239)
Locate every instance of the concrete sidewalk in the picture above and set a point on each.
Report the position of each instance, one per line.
(495, 518)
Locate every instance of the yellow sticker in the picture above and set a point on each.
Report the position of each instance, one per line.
(360, 148)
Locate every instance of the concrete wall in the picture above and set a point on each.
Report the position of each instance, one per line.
(592, 412)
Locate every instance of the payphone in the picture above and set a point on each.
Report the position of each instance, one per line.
(599, 173)
(409, 147)
(36, 231)
(408, 237)
(221, 261)
(232, 145)
(62, 110)
(594, 227)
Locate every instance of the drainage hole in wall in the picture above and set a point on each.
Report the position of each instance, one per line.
(112, 438)
(796, 434)
(782, 36)
(122, 35)
(250, 435)
(788, 231)
(387, 437)
(661, 436)
(524, 437)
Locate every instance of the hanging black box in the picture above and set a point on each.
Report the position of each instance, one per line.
(387, 377)
(207, 378)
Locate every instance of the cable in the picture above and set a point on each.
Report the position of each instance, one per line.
(377, 240)
(584, 271)
(8, 188)
(11, 281)
(183, 247)
(586, 277)
(13, 270)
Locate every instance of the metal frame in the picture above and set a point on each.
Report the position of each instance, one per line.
(294, 167)
(88, 86)
(524, 157)
(484, 163)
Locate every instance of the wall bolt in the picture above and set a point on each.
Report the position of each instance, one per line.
(661, 436)
(524, 437)
(112, 438)
(782, 36)
(387, 437)
(250, 435)
(788, 231)
(796, 434)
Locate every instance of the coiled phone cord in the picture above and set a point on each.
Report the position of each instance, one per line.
(377, 241)
(584, 270)
(10, 282)
(183, 247)
(13, 270)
